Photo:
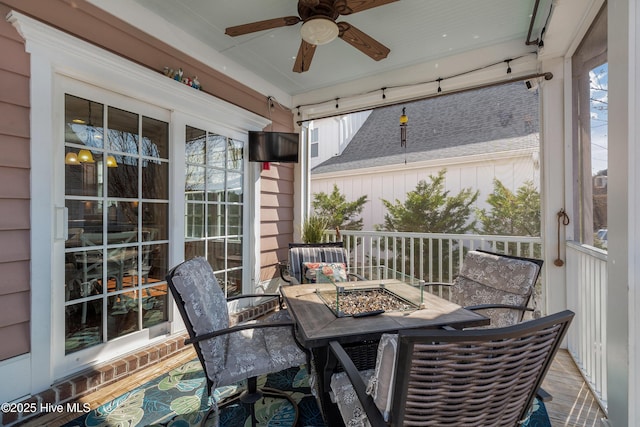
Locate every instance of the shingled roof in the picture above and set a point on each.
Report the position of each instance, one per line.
(490, 120)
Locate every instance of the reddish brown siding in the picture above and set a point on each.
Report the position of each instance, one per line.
(14, 193)
(277, 217)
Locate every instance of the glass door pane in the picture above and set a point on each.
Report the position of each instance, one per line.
(116, 195)
(214, 190)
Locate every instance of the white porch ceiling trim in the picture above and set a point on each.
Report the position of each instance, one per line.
(139, 17)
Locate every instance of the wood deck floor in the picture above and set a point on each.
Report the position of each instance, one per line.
(573, 405)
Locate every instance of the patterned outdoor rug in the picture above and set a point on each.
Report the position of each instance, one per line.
(179, 399)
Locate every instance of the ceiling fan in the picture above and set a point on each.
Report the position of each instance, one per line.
(320, 27)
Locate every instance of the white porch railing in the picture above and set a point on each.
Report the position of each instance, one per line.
(426, 256)
(587, 297)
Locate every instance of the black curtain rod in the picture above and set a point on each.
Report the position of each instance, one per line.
(547, 76)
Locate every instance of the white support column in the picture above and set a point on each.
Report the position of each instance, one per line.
(552, 149)
(302, 183)
(623, 213)
(634, 211)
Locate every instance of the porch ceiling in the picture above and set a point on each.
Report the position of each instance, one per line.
(423, 36)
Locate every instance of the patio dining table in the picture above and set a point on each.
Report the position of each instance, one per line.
(317, 324)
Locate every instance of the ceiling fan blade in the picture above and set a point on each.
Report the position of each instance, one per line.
(304, 57)
(363, 42)
(347, 7)
(268, 24)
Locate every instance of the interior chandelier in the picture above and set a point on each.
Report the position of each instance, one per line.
(319, 30)
(85, 156)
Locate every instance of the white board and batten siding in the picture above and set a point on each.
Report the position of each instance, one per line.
(393, 182)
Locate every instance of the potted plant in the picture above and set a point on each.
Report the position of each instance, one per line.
(313, 229)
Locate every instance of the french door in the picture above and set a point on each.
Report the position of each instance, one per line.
(116, 209)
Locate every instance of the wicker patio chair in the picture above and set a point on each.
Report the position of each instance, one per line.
(486, 377)
(231, 354)
(496, 285)
(301, 253)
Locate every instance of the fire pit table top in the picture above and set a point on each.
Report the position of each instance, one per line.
(358, 300)
(317, 324)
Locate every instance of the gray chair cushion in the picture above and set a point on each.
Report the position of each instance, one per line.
(206, 307)
(490, 279)
(238, 355)
(380, 382)
(343, 395)
(255, 352)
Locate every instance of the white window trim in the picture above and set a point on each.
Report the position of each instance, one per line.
(53, 54)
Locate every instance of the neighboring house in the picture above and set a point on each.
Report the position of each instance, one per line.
(476, 136)
(329, 137)
(600, 201)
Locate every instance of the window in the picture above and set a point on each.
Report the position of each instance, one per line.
(590, 147)
(313, 140)
(214, 194)
(116, 197)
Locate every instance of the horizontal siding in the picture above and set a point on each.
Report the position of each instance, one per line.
(14, 245)
(13, 86)
(277, 186)
(14, 49)
(15, 340)
(14, 183)
(14, 277)
(274, 248)
(15, 152)
(14, 309)
(270, 214)
(15, 295)
(6, 30)
(279, 171)
(276, 215)
(276, 228)
(273, 243)
(273, 257)
(14, 214)
(276, 200)
(14, 120)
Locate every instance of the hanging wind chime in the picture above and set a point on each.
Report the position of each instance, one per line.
(403, 132)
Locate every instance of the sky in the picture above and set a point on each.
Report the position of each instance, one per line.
(599, 117)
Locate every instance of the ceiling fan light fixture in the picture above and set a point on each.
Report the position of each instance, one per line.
(319, 30)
